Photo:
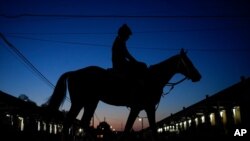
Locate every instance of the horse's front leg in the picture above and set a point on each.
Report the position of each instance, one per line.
(151, 119)
(131, 119)
(129, 124)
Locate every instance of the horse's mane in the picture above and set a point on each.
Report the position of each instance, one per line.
(163, 63)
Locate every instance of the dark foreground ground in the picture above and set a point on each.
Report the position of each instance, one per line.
(12, 135)
(51, 137)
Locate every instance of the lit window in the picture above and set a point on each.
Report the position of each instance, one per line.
(202, 119)
(196, 121)
(237, 115)
(159, 130)
(223, 116)
(21, 123)
(212, 119)
(38, 125)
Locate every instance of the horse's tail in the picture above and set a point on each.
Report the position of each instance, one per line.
(59, 93)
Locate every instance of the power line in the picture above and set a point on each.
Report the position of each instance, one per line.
(26, 61)
(59, 33)
(56, 41)
(121, 16)
(144, 48)
(219, 28)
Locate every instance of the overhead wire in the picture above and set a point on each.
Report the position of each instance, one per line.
(28, 63)
(20, 36)
(56, 41)
(120, 16)
(217, 28)
(144, 48)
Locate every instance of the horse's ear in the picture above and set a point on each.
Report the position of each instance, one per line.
(183, 52)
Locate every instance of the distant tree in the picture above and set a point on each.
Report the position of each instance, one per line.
(26, 98)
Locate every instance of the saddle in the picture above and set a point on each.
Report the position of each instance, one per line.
(129, 77)
(118, 74)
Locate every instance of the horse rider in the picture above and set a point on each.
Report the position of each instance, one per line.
(123, 62)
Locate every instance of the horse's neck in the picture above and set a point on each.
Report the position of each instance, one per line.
(161, 73)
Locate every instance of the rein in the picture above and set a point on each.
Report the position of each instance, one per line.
(172, 86)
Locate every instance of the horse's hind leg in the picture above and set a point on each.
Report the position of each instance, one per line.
(70, 117)
(89, 110)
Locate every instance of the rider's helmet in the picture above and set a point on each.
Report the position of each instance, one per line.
(124, 30)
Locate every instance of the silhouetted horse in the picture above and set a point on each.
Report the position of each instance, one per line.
(92, 84)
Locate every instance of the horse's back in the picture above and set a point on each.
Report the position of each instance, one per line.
(88, 74)
(107, 85)
(91, 69)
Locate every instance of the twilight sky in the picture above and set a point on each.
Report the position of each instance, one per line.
(63, 35)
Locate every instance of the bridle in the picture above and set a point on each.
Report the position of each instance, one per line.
(181, 61)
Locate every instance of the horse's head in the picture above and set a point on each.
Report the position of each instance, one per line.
(187, 68)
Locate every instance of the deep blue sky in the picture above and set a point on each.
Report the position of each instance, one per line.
(215, 33)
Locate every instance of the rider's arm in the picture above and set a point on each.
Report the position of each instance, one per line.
(129, 56)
